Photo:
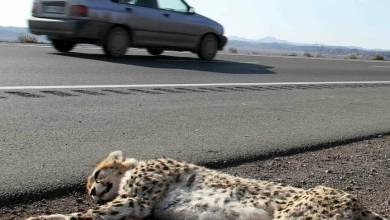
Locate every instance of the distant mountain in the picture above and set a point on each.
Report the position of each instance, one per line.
(262, 40)
(275, 46)
(12, 34)
(266, 46)
(272, 40)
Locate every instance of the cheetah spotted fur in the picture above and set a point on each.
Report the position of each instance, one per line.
(168, 189)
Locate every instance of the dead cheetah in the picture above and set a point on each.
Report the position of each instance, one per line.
(168, 189)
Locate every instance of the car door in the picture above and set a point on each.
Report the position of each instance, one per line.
(144, 19)
(181, 28)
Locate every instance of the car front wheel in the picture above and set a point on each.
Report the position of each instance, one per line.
(155, 52)
(63, 46)
(208, 47)
(116, 42)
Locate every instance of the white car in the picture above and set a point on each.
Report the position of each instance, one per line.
(156, 25)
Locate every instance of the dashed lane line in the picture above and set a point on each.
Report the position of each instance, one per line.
(186, 85)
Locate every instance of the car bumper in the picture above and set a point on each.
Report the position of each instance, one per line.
(68, 28)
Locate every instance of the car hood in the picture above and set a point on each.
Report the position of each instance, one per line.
(218, 28)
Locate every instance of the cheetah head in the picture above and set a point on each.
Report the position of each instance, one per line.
(103, 184)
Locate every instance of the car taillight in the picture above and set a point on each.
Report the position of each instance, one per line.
(34, 8)
(78, 11)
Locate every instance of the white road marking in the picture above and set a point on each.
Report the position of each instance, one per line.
(45, 45)
(186, 85)
(23, 45)
(381, 67)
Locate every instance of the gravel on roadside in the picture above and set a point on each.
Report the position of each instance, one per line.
(361, 168)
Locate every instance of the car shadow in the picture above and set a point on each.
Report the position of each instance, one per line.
(184, 63)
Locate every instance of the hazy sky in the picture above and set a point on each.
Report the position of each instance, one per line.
(364, 23)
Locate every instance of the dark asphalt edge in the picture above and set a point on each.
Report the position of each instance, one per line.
(33, 196)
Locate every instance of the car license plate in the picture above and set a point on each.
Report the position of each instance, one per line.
(53, 9)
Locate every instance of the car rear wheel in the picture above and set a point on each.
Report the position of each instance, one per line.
(208, 47)
(116, 42)
(63, 46)
(155, 52)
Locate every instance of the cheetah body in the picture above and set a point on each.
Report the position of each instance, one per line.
(168, 189)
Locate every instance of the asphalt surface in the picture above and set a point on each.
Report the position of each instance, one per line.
(43, 66)
(49, 140)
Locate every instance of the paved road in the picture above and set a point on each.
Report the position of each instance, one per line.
(50, 138)
(42, 66)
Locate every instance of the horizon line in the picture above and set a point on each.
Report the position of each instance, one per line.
(249, 39)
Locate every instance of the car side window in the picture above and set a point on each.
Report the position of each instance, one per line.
(146, 3)
(173, 5)
(129, 2)
(140, 3)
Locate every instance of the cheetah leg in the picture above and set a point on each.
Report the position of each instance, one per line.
(120, 208)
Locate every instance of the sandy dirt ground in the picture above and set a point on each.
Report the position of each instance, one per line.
(362, 169)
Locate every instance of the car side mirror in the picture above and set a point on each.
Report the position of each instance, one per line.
(191, 10)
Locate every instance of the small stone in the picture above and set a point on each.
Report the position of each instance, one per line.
(79, 200)
(328, 171)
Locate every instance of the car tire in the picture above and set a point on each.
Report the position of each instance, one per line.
(155, 52)
(63, 46)
(116, 42)
(208, 47)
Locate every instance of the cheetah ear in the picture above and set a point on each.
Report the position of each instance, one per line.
(130, 163)
(116, 155)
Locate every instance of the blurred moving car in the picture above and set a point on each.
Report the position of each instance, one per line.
(156, 25)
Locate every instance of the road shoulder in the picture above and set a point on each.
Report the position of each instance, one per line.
(361, 168)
